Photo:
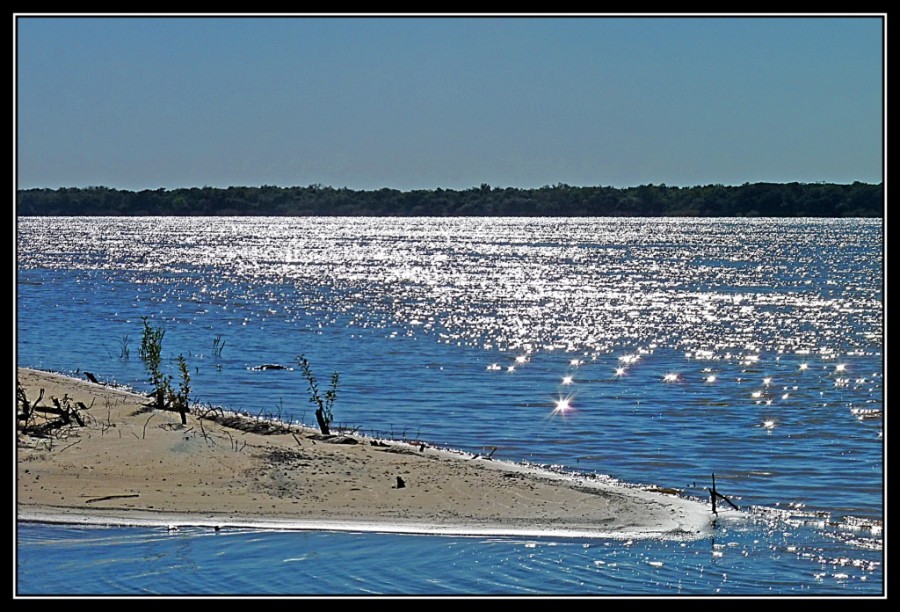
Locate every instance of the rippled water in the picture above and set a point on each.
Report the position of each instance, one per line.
(653, 351)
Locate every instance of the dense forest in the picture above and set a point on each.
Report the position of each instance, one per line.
(747, 200)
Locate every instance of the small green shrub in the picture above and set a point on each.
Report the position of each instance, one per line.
(164, 396)
(324, 414)
(151, 355)
(180, 400)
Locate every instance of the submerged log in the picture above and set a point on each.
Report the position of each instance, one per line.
(270, 366)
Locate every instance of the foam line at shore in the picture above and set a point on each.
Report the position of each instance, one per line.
(173, 522)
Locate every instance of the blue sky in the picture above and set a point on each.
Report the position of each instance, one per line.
(420, 103)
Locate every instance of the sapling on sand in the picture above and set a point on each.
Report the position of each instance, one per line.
(324, 414)
(165, 397)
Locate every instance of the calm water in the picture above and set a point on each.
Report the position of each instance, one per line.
(752, 349)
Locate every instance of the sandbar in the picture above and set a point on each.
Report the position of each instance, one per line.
(131, 465)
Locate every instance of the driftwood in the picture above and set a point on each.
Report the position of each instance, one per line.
(63, 410)
(92, 378)
(713, 494)
(28, 408)
(67, 412)
(247, 424)
(57, 410)
(99, 499)
(400, 450)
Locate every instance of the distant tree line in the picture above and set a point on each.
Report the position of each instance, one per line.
(560, 200)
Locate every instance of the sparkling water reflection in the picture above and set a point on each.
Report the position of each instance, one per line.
(653, 351)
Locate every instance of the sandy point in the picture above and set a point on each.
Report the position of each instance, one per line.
(130, 465)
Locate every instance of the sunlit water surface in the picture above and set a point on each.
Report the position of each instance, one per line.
(653, 351)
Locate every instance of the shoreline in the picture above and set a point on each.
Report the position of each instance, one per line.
(131, 466)
(175, 522)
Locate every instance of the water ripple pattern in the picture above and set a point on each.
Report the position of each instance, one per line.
(650, 351)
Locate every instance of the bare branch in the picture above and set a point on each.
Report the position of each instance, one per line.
(144, 435)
